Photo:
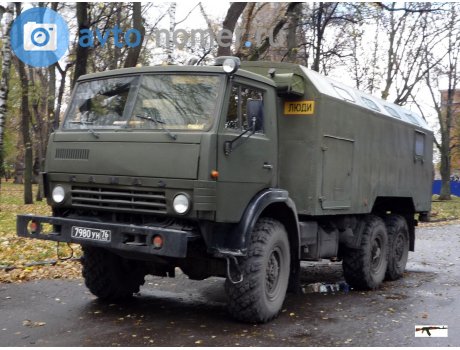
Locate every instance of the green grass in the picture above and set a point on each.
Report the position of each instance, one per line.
(19, 252)
(445, 210)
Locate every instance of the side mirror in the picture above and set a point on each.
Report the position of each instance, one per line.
(255, 114)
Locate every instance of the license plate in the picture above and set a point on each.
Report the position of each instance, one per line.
(91, 234)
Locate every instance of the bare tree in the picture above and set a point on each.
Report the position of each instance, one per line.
(410, 33)
(82, 52)
(133, 53)
(292, 9)
(212, 43)
(233, 14)
(293, 35)
(172, 27)
(324, 24)
(447, 68)
(365, 61)
(4, 80)
(25, 125)
(63, 74)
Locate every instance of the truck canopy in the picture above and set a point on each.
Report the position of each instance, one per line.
(342, 151)
(327, 86)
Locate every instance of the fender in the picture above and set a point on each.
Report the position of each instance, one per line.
(237, 239)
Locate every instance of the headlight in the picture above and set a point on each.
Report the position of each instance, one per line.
(231, 65)
(181, 204)
(58, 194)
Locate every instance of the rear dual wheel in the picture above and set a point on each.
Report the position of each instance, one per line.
(382, 255)
(398, 241)
(365, 268)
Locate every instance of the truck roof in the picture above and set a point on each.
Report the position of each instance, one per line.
(259, 70)
(327, 86)
(173, 69)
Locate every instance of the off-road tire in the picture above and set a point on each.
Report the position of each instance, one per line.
(365, 268)
(260, 296)
(398, 243)
(109, 276)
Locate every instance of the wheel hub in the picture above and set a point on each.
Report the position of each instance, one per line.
(272, 273)
(376, 254)
(399, 247)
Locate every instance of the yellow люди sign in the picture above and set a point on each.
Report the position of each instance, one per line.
(299, 107)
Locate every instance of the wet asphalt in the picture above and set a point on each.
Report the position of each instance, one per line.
(181, 312)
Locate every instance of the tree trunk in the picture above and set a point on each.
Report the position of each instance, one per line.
(25, 124)
(133, 52)
(51, 97)
(6, 65)
(292, 37)
(266, 42)
(445, 109)
(27, 142)
(115, 61)
(81, 60)
(445, 177)
(319, 37)
(172, 26)
(234, 12)
(57, 113)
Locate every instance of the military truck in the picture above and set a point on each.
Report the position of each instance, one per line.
(240, 170)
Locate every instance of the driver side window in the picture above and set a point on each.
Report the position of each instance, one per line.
(245, 109)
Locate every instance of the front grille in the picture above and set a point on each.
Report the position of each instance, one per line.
(72, 153)
(119, 200)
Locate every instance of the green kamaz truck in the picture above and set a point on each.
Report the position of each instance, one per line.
(240, 170)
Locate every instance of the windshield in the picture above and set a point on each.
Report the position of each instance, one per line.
(157, 101)
(100, 103)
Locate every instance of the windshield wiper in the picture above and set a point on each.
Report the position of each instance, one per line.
(158, 122)
(91, 130)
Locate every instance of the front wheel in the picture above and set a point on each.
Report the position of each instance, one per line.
(109, 276)
(260, 295)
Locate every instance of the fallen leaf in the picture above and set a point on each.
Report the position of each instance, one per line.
(29, 323)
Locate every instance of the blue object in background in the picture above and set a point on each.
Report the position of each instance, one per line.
(454, 187)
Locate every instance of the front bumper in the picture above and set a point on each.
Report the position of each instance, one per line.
(124, 238)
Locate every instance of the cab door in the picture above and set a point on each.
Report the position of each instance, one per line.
(251, 164)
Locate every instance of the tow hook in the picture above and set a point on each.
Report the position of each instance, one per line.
(232, 260)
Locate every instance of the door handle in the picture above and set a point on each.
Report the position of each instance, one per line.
(267, 166)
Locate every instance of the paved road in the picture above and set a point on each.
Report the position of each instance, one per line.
(180, 312)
